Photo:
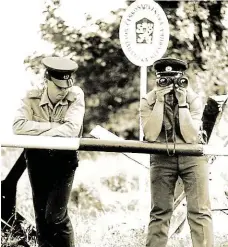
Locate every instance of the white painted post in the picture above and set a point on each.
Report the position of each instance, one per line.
(143, 91)
(144, 38)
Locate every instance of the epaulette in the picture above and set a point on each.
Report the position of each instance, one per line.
(34, 93)
(73, 93)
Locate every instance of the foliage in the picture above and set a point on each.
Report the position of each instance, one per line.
(102, 216)
(119, 183)
(199, 35)
(19, 235)
(86, 198)
(111, 83)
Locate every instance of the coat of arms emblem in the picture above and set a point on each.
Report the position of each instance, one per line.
(144, 31)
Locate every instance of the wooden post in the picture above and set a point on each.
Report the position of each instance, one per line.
(143, 91)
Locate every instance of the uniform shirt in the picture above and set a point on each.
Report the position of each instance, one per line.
(37, 114)
(171, 109)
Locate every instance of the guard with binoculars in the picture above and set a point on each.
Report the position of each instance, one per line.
(171, 113)
(165, 81)
(171, 75)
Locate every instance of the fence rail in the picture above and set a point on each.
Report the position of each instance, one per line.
(88, 144)
(92, 144)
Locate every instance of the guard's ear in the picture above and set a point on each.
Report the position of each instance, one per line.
(47, 75)
(45, 81)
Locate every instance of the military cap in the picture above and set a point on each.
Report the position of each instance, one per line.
(60, 70)
(169, 66)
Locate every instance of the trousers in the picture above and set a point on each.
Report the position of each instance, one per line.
(51, 174)
(164, 172)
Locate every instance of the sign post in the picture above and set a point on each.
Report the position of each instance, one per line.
(143, 91)
(144, 37)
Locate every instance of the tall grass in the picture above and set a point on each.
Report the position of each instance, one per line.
(110, 204)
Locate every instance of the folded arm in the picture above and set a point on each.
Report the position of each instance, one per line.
(73, 120)
(23, 123)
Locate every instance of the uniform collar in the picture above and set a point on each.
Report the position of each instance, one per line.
(45, 99)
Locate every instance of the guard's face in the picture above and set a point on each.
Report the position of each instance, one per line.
(56, 92)
(177, 80)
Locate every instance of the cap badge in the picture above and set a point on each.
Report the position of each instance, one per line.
(66, 77)
(168, 68)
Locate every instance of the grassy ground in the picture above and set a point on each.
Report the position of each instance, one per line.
(110, 204)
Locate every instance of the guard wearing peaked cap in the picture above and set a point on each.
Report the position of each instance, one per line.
(171, 113)
(57, 110)
(171, 71)
(60, 70)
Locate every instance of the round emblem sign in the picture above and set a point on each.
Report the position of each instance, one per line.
(144, 32)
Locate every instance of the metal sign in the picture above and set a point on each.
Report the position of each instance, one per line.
(144, 32)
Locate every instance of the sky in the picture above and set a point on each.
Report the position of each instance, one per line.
(20, 22)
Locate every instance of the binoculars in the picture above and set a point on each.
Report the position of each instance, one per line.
(168, 80)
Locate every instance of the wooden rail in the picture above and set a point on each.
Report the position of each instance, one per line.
(92, 144)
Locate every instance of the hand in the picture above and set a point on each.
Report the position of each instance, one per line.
(181, 95)
(47, 133)
(55, 125)
(160, 92)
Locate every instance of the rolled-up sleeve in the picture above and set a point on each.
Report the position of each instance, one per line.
(73, 120)
(23, 123)
(146, 107)
(145, 111)
(196, 109)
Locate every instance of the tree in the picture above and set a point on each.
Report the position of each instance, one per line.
(111, 82)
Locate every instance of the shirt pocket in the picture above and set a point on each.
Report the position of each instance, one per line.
(60, 114)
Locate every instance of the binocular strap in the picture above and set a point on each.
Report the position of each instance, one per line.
(173, 136)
